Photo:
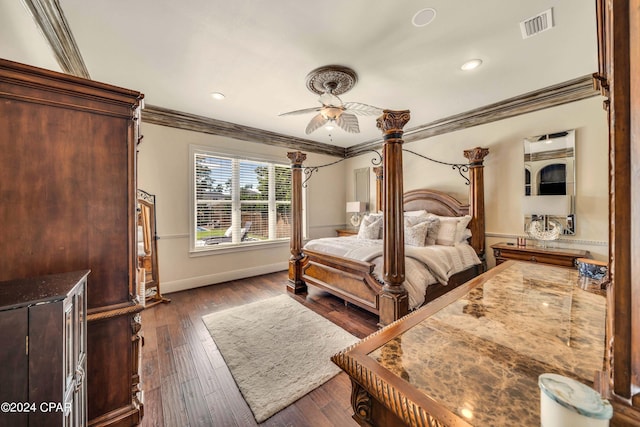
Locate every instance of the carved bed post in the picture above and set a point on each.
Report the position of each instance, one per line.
(296, 285)
(476, 199)
(394, 300)
(379, 174)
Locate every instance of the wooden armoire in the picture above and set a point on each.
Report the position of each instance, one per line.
(67, 203)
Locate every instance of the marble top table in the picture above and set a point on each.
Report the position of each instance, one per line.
(473, 356)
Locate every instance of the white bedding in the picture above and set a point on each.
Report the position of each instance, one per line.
(424, 265)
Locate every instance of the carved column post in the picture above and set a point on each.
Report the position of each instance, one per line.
(476, 199)
(379, 174)
(296, 285)
(394, 301)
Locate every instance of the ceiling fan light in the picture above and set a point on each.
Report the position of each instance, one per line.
(331, 113)
(471, 64)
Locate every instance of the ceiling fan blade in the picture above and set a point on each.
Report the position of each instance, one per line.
(316, 122)
(362, 109)
(348, 122)
(330, 99)
(303, 111)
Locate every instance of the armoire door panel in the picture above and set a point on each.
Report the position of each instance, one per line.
(108, 362)
(13, 364)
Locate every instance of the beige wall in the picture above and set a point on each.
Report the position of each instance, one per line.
(163, 170)
(504, 177)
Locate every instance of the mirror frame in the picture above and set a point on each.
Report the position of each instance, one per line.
(148, 223)
(567, 154)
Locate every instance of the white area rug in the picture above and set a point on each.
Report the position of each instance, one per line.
(277, 350)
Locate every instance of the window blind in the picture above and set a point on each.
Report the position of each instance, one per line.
(239, 201)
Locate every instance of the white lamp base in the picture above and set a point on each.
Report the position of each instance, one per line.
(355, 220)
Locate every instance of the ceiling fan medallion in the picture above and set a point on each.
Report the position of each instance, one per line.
(329, 82)
(340, 79)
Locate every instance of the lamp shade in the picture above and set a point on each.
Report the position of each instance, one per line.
(356, 207)
(547, 205)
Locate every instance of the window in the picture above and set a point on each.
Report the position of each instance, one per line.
(239, 201)
(553, 180)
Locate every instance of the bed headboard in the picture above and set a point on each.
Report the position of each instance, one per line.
(435, 202)
(443, 204)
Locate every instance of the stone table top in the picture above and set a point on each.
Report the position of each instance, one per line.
(477, 355)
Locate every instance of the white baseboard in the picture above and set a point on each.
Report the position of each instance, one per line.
(210, 279)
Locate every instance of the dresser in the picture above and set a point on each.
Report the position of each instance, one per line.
(553, 256)
(473, 356)
(43, 363)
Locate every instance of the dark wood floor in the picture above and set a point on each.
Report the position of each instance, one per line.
(186, 381)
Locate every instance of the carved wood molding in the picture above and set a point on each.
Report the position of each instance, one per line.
(35, 85)
(366, 385)
(116, 310)
(551, 96)
(50, 18)
(180, 120)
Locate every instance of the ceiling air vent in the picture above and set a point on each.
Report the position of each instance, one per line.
(537, 24)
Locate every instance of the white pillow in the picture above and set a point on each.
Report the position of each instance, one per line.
(432, 229)
(415, 213)
(415, 235)
(370, 227)
(452, 229)
(466, 234)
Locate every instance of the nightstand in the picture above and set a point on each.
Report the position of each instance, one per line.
(346, 232)
(554, 256)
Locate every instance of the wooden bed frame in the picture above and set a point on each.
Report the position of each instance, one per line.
(352, 280)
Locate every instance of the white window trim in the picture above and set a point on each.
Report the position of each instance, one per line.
(243, 246)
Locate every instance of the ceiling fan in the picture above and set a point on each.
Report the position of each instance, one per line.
(329, 82)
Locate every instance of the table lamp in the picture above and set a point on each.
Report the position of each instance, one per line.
(356, 208)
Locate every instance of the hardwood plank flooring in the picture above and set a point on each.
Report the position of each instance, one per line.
(186, 381)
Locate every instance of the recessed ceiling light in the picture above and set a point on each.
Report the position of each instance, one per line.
(471, 65)
(423, 17)
(217, 96)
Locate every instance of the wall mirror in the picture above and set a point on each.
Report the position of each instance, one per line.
(361, 190)
(549, 181)
(149, 279)
(360, 203)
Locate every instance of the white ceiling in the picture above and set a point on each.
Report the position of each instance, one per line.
(258, 54)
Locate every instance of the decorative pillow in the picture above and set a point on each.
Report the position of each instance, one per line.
(452, 229)
(432, 230)
(415, 235)
(370, 227)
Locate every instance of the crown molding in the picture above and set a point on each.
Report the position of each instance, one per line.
(51, 21)
(49, 17)
(186, 121)
(551, 96)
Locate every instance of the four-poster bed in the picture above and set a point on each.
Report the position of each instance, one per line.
(354, 280)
